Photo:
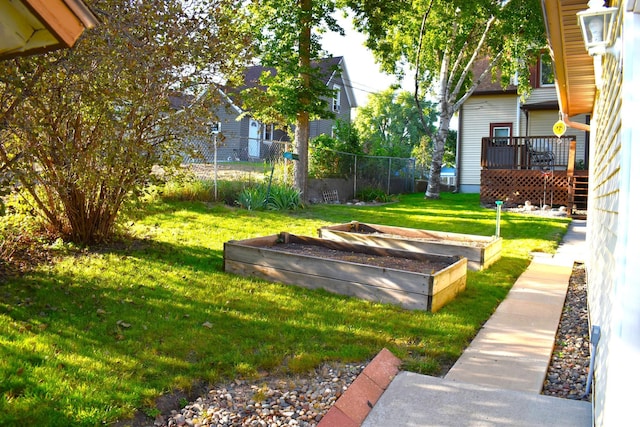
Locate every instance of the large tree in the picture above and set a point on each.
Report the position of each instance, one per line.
(82, 128)
(288, 41)
(444, 41)
(390, 125)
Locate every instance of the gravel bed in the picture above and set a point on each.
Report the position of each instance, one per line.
(569, 365)
(269, 402)
(303, 400)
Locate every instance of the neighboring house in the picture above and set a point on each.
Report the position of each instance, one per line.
(493, 111)
(606, 87)
(35, 26)
(246, 139)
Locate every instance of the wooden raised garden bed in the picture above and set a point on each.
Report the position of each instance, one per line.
(415, 281)
(480, 251)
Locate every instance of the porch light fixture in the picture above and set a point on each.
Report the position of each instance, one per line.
(597, 24)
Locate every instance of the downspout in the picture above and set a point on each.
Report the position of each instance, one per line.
(518, 111)
(458, 150)
(575, 125)
(595, 338)
(518, 116)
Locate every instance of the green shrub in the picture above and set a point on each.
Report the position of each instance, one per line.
(192, 189)
(283, 197)
(204, 190)
(253, 198)
(229, 191)
(278, 197)
(373, 195)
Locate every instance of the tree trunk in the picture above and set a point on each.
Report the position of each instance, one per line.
(302, 119)
(433, 188)
(302, 143)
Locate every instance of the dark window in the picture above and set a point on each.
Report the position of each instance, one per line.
(268, 133)
(336, 99)
(501, 132)
(546, 70)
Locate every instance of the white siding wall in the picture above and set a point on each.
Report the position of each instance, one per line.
(478, 112)
(541, 124)
(613, 235)
(581, 137)
(481, 110)
(542, 94)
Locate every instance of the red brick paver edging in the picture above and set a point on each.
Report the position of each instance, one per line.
(351, 409)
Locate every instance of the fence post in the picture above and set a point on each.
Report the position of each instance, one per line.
(355, 175)
(413, 175)
(215, 167)
(389, 178)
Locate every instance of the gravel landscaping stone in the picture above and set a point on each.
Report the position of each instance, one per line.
(269, 402)
(569, 366)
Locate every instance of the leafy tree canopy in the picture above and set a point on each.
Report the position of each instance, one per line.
(287, 34)
(389, 125)
(277, 28)
(332, 156)
(82, 128)
(444, 40)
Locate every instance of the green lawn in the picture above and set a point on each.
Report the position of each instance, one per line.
(103, 333)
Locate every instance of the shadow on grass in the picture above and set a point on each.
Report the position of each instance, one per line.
(98, 336)
(131, 324)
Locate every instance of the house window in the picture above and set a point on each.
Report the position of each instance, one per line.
(336, 99)
(267, 134)
(546, 70)
(501, 132)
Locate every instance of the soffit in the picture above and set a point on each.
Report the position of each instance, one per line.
(30, 26)
(574, 72)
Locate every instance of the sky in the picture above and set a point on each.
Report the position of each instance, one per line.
(364, 73)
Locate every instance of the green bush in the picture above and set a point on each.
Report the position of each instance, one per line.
(373, 195)
(283, 197)
(244, 193)
(204, 190)
(277, 198)
(253, 198)
(229, 191)
(190, 189)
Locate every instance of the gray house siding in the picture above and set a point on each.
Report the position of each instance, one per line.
(235, 142)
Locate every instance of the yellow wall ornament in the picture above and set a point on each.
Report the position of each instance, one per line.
(559, 128)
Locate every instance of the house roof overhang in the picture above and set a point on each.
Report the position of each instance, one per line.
(573, 67)
(33, 26)
(541, 106)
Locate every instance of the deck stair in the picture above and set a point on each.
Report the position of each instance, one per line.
(578, 194)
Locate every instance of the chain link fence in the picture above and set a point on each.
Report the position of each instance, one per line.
(392, 175)
(248, 150)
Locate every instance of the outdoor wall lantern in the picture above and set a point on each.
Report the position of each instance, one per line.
(597, 25)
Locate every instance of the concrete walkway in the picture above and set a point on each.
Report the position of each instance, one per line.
(498, 379)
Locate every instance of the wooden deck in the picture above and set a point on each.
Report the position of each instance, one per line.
(526, 153)
(540, 170)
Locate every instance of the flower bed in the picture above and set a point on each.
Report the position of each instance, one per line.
(414, 281)
(480, 251)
